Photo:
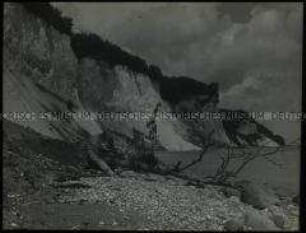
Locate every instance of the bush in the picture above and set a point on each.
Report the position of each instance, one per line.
(93, 46)
(50, 15)
(173, 89)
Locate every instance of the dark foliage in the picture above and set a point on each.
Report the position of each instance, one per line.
(176, 89)
(277, 138)
(231, 126)
(173, 89)
(154, 73)
(50, 15)
(93, 46)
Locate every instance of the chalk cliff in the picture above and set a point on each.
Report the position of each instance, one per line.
(46, 70)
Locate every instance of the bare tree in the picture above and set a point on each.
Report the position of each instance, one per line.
(242, 156)
(233, 161)
(207, 143)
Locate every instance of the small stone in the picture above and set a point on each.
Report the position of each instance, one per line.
(258, 221)
(14, 224)
(229, 192)
(256, 195)
(233, 225)
(278, 216)
(279, 221)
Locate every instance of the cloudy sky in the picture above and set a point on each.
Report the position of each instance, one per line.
(253, 50)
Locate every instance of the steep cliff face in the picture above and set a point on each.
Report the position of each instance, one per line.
(44, 72)
(39, 74)
(119, 90)
(38, 50)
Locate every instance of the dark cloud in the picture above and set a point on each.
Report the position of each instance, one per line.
(253, 50)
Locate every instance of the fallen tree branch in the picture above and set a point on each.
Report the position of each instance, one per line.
(205, 147)
(103, 166)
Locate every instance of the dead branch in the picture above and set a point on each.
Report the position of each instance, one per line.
(273, 162)
(247, 156)
(103, 166)
(206, 145)
(224, 165)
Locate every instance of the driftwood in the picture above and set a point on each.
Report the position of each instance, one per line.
(89, 147)
(100, 163)
(246, 156)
